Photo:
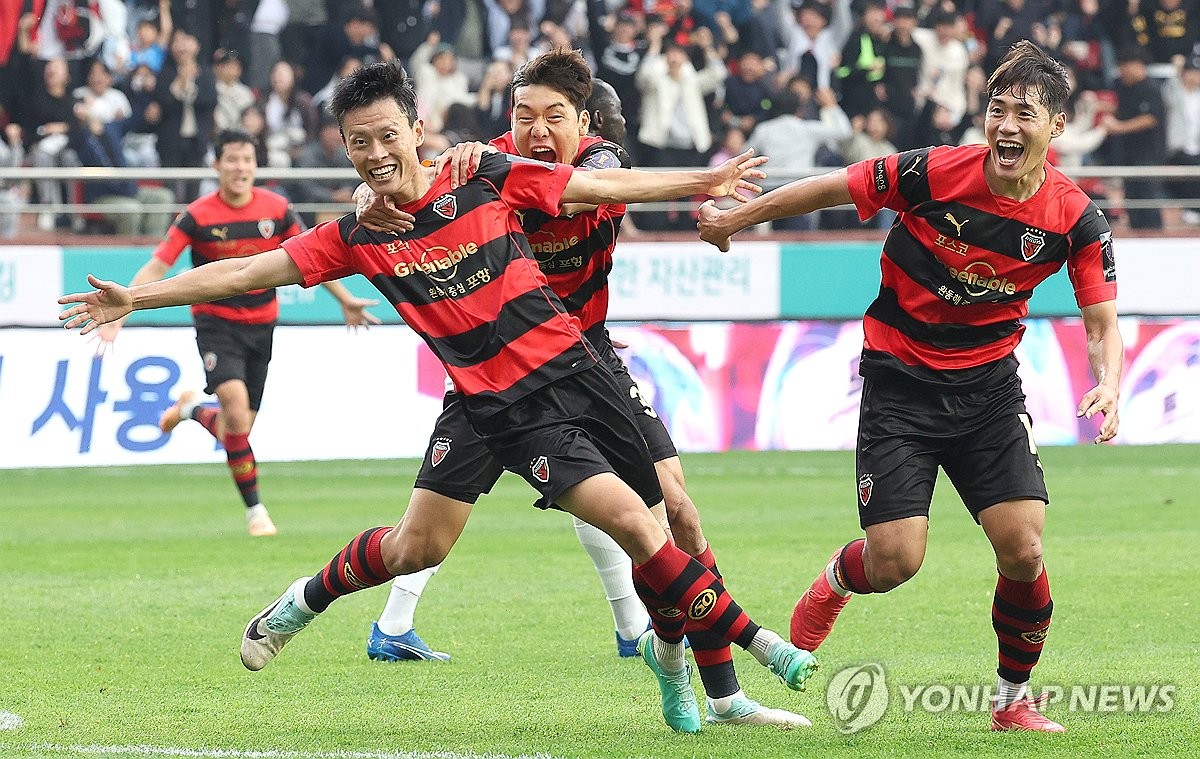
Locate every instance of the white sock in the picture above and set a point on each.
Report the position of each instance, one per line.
(723, 704)
(254, 511)
(616, 575)
(187, 409)
(397, 615)
(1007, 693)
(763, 640)
(669, 655)
(831, 576)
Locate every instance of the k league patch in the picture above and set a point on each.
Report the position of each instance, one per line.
(266, 228)
(446, 206)
(441, 447)
(540, 468)
(866, 486)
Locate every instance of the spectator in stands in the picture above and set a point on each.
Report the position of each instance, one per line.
(266, 24)
(1084, 42)
(944, 62)
(303, 38)
(49, 124)
(618, 59)
(674, 123)
(404, 24)
(13, 195)
(100, 102)
(149, 46)
(721, 16)
(1137, 133)
(1182, 95)
(748, 93)
(1000, 24)
(1168, 30)
(793, 141)
(288, 110)
(233, 96)
(493, 102)
(358, 38)
(320, 98)
(439, 83)
(255, 124)
(813, 41)
(140, 143)
(187, 96)
(519, 48)
(764, 34)
(326, 152)
(1082, 133)
(503, 14)
(863, 65)
(902, 74)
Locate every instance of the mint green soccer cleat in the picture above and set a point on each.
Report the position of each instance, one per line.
(678, 699)
(273, 627)
(746, 711)
(791, 665)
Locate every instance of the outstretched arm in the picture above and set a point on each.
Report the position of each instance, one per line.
(793, 199)
(1106, 354)
(151, 271)
(354, 309)
(219, 279)
(635, 186)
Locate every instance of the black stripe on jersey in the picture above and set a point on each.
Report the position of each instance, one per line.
(1007, 237)
(238, 230)
(922, 267)
(248, 300)
(913, 170)
(1093, 227)
(886, 308)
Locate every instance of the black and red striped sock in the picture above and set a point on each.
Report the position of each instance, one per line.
(1021, 618)
(206, 416)
(242, 466)
(713, 657)
(689, 590)
(356, 567)
(850, 571)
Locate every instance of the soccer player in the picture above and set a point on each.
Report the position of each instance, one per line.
(555, 104)
(234, 334)
(979, 228)
(533, 389)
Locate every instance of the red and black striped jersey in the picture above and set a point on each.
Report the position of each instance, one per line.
(575, 252)
(959, 265)
(216, 230)
(465, 280)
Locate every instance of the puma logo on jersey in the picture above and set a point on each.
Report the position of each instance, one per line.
(221, 233)
(914, 169)
(958, 225)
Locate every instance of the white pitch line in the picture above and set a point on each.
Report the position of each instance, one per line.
(168, 751)
(10, 721)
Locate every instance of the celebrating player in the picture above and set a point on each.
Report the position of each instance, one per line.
(979, 228)
(533, 389)
(551, 117)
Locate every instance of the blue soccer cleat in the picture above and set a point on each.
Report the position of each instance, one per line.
(406, 647)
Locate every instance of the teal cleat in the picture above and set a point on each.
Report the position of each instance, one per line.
(745, 711)
(273, 627)
(791, 665)
(678, 699)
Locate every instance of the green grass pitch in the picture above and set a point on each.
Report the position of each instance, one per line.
(126, 591)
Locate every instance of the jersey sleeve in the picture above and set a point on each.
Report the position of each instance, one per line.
(1091, 264)
(526, 183)
(891, 181)
(322, 253)
(178, 237)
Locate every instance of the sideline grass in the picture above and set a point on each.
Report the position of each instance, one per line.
(127, 592)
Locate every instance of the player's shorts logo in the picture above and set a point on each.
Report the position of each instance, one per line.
(266, 228)
(703, 604)
(210, 361)
(441, 447)
(1036, 636)
(669, 612)
(540, 469)
(446, 206)
(866, 486)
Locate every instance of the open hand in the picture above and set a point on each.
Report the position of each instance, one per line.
(1101, 399)
(379, 213)
(734, 175)
(354, 311)
(108, 302)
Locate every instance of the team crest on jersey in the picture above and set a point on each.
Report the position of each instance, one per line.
(1032, 243)
(439, 451)
(540, 468)
(446, 206)
(266, 228)
(210, 361)
(866, 486)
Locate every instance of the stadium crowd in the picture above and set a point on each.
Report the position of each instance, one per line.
(810, 83)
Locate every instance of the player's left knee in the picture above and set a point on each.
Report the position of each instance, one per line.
(1021, 561)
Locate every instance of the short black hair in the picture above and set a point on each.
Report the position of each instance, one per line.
(1026, 69)
(561, 69)
(232, 137)
(372, 83)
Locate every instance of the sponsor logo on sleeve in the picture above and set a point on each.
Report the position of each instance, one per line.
(882, 184)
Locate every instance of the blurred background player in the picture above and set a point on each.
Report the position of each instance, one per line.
(556, 104)
(234, 335)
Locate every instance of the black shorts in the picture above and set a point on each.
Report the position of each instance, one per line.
(983, 440)
(232, 351)
(458, 465)
(568, 431)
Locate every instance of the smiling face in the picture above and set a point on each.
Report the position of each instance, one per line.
(382, 145)
(1018, 130)
(236, 167)
(545, 125)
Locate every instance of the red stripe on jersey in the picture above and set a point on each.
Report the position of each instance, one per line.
(215, 230)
